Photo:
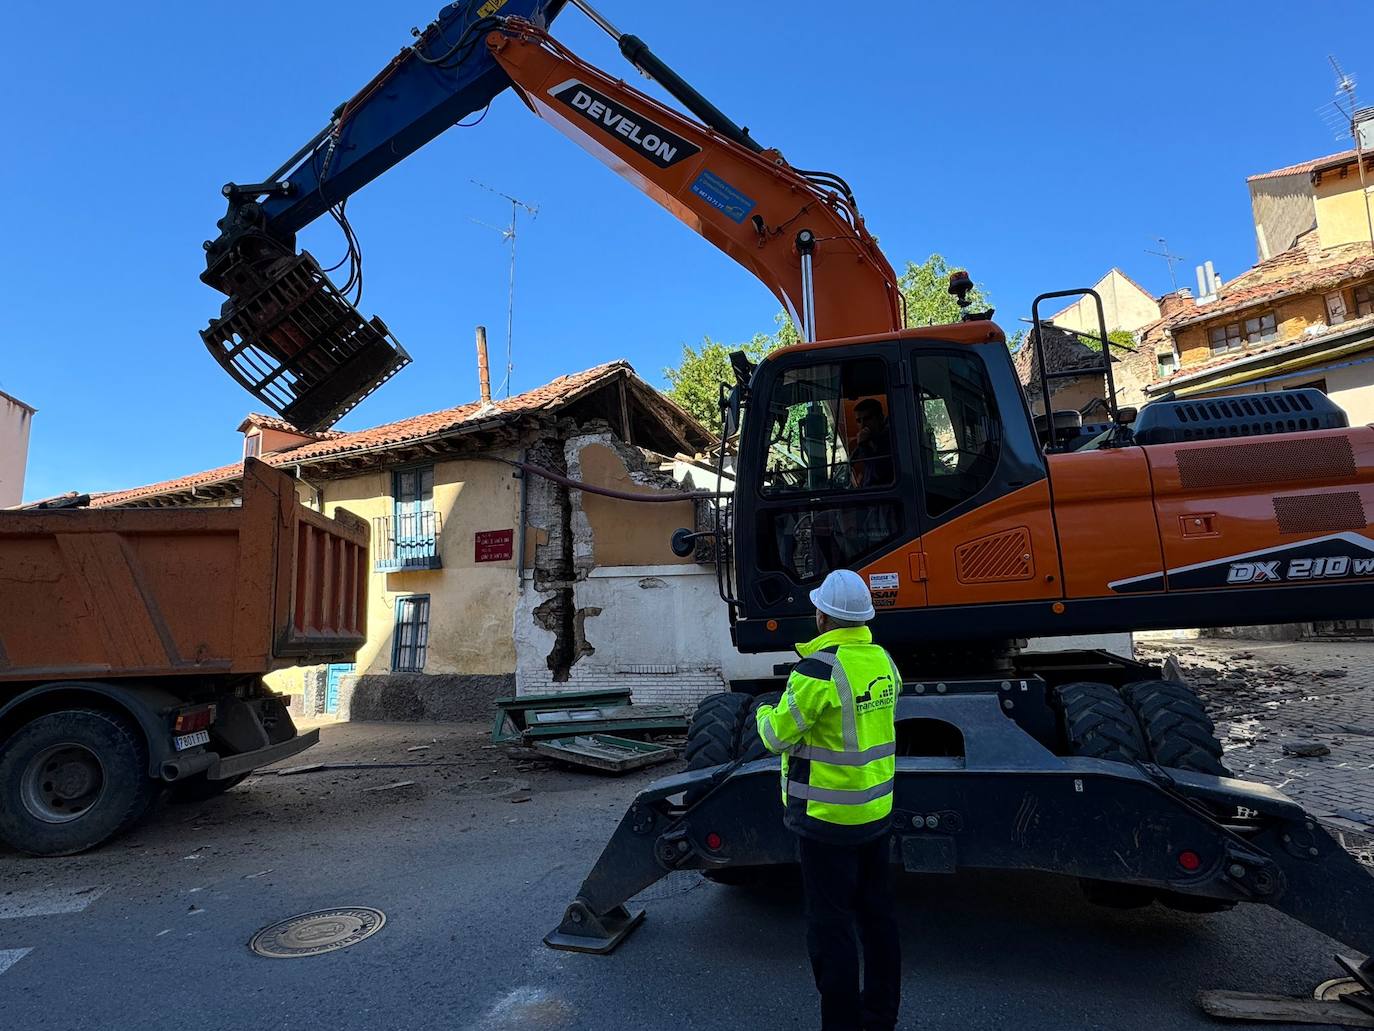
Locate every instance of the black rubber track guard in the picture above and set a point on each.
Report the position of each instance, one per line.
(1009, 804)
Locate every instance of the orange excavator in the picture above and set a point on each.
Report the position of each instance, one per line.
(913, 456)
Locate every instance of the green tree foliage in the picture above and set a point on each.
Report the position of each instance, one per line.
(1121, 339)
(695, 383)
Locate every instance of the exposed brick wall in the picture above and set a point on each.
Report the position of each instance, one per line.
(1293, 316)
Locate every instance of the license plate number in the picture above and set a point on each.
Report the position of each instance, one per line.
(185, 741)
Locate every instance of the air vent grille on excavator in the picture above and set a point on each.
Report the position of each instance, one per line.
(1001, 557)
(1314, 513)
(1266, 461)
(1242, 415)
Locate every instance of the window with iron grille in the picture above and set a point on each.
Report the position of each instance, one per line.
(1364, 299)
(410, 642)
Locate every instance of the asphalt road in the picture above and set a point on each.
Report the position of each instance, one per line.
(152, 930)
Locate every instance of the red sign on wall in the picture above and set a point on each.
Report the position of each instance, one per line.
(495, 545)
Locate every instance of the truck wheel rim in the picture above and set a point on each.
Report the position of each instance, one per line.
(62, 783)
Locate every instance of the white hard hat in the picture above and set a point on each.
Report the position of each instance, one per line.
(844, 595)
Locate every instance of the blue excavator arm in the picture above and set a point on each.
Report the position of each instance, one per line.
(286, 332)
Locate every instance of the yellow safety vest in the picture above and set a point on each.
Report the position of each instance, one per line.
(835, 732)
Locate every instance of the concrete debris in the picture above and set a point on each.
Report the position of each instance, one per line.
(399, 785)
(1305, 749)
(419, 748)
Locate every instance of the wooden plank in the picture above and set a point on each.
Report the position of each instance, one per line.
(1281, 1009)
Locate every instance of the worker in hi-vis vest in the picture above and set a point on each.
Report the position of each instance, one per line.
(834, 729)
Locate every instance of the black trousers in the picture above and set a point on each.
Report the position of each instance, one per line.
(848, 905)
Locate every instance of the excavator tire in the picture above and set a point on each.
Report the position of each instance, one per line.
(1180, 734)
(713, 734)
(745, 744)
(750, 744)
(1176, 726)
(1098, 724)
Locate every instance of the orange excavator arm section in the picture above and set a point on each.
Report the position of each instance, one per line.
(753, 206)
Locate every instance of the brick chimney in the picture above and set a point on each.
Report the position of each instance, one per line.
(1179, 300)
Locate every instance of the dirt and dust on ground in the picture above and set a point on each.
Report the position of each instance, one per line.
(374, 778)
(1298, 716)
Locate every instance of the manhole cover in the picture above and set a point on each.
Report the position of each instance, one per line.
(314, 933)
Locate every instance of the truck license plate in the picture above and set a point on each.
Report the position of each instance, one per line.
(185, 741)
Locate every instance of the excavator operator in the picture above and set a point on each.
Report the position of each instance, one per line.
(871, 459)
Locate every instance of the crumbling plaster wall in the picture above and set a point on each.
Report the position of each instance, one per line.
(605, 603)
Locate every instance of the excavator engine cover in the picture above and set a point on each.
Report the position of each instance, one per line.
(300, 347)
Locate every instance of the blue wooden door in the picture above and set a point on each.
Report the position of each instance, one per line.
(331, 688)
(413, 513)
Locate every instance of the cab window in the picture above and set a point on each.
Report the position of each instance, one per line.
(960, 434)
(828, 429)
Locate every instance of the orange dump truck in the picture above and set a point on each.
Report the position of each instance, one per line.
(133, 644)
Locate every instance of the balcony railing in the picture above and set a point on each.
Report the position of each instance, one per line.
(408, 541)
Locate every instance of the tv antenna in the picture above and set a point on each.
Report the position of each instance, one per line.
(508, 235)
(1345, 117)
(1171, 259)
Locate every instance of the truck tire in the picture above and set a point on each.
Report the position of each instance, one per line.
(71, 779)
(1098, 724)
(714, 734)
(1177, 728)
(201, 788)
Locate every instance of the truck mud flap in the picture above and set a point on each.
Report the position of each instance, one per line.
(1191, 834)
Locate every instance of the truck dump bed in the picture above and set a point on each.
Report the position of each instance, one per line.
(137, 593)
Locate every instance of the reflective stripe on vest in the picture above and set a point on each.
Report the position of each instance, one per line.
(775, 744)
(848, 712)
(861, 757)
(839, 796)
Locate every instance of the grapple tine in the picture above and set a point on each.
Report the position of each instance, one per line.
(300, 347)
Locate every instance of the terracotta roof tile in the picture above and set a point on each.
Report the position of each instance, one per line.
(1331, 160)
(551, 396)
(1305, 278)
(1275, 345)
(274, 422)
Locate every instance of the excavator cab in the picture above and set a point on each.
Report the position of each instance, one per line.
(852, 455)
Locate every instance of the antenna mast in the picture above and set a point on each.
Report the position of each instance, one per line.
(508, 234)
(1348, 108)
(1171, 259)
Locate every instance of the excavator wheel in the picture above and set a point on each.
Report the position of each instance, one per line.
(1180, 734)
(750, 744)
(722, 718)
(714, 733)
(1176, 726)
(1098, 724)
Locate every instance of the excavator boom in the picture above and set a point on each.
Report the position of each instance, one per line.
(299, 343)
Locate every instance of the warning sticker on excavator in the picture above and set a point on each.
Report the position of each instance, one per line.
(882, 581)
(490, 7)
(716, 192)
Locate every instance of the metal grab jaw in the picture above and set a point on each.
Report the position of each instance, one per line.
(298, 345)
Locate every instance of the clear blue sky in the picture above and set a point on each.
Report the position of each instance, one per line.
(1037, 143)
